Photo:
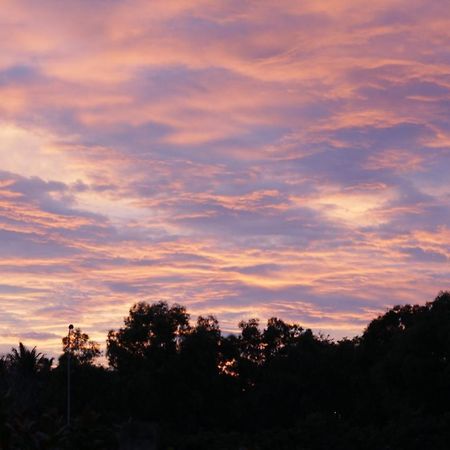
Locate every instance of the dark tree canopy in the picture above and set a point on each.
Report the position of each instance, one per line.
(277, 386)
(149, 330)
(82, 350)
(28, 362)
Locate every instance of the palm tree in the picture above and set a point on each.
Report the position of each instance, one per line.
(28, 362)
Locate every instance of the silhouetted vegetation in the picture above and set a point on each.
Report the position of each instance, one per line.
(171, 384)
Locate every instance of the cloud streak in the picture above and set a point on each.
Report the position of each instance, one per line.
(287, 159)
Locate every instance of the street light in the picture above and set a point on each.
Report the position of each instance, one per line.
(69, 341)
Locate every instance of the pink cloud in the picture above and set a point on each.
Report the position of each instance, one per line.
(286, 158)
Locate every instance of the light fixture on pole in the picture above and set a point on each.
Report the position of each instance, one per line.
(69, 349)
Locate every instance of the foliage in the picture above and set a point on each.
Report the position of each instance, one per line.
(82, 350)
(26, 362)
(190, 387)
(151, 332)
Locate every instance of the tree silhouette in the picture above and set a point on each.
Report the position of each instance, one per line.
(279, 386)
(151, 333)
(279, 336)
(83, 351)
(28, 362)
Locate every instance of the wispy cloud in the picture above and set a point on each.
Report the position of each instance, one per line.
(284, 158)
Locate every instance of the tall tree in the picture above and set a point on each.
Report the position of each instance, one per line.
(151, 333)
(28, 362)
(83, 351)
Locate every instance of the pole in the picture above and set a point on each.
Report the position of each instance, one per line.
(68, 373)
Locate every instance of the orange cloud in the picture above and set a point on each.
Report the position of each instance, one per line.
(280, 158)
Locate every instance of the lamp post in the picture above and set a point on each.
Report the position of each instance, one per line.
(69, 341)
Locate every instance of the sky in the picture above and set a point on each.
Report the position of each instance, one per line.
(243, 158)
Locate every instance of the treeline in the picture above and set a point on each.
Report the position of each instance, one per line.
(173, 385)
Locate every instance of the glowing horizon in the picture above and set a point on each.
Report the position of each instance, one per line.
(243, 159)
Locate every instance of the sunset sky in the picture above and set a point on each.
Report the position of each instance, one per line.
(243, 158)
